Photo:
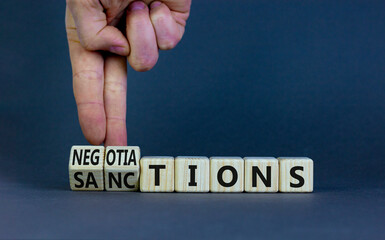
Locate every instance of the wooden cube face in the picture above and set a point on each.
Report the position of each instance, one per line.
(157, 174)
(226, 174)
(296, 174)
(261, 174)
(192, 174)
(121, 168)
(86, 168)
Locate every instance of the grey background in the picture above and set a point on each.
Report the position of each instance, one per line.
(250, 78)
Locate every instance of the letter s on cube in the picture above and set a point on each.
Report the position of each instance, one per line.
(86, 168)
(295, 174)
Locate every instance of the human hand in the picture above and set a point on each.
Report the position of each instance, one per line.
(99, 78)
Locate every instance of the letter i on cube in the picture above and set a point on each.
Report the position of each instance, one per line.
(192, 174)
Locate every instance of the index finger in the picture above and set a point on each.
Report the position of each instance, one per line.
(88, 81)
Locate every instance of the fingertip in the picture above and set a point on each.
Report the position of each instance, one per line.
(93, 125)
(168, 43)
(94, 137)
(116, 41)
(120, 50)
(143, 63)
(155, 4)
(137, 5)
(94, 141)
(116, 133)
(166, 28)
(108, 39)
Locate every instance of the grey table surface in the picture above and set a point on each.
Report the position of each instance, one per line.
(51, 212)
(250, 78)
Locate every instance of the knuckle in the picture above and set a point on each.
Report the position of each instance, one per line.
(115, 87)
(73, 2)
(72, 35)
(159, 18)
(92, 3)
(88, 76)
(160, 11)
(89, 43)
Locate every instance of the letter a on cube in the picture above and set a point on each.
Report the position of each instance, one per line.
(295, 174)
(86, 168)
(192, 174)
(157, 174)
(121, 168)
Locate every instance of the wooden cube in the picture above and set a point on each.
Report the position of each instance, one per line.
(157, 174)
(86, 168)
(121, 168)
(192, 174)
(226, 174)
(261, 174)
(296, 174)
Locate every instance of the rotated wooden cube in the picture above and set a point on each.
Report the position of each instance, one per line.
(261, 174)
(121, 168)
(86, 168)
(192, 174)
(295, 174)
(157, 174)
(226, 174)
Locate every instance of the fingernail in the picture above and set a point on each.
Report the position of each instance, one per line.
(118, 50)
(155, 4)
(138, 5)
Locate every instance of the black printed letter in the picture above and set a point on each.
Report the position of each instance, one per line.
(91, 180)
(76, 176)
(157, 171)
(300, 179)
(126, 178)
(266, 181)
(220, 176)
(192, 182)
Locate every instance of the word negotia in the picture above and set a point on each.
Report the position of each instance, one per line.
(121, 169)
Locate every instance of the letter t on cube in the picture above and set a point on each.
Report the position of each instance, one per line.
(157, 174)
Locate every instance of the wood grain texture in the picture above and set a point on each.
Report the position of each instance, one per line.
(192, 174)
(86, 168)
(149, 182)
(292, 171)
(265, 165)
(226, 174)
(121, 168)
